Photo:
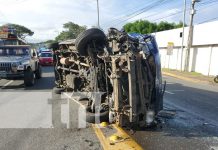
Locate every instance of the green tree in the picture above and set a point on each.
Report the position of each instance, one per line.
(145, 27)
(21, 31)
(180, 24)
(71, 31)
(49, 41)
(163, 25)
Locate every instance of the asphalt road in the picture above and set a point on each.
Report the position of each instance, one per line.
(189, 119)
(44, 84)
(30, 118)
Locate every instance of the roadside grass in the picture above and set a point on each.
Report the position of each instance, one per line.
(190, 74)
(183, 72)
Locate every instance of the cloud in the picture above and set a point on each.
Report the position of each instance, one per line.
(46, 17)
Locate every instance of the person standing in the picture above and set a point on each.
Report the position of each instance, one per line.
(56, 53)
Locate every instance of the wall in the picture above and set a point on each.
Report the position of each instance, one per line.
(203, 54)
(202, 59)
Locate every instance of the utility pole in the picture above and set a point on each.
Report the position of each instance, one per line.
(190, 35)
(98, 14)
(183, 33)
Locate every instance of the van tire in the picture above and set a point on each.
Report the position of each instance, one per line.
(29, 77)
(86, 37)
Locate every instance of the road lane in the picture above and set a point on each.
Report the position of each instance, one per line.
(199, 99)
(30, 118)
(3, 82)
(46, 83)
(193, 127)
(195, 123)
(8, 83)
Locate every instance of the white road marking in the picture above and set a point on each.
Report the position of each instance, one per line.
(8, 83)
(214, 147)
(177, 90)
(169, 83)
(70, 97)
(172, 91)
(169, 92)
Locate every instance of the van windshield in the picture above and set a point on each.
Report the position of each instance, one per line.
(14, 51)
(46, 55)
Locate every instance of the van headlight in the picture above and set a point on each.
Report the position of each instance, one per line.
(14, 67)
(25, 62)
(20, 67)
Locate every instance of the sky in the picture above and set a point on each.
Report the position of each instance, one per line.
(46, 17)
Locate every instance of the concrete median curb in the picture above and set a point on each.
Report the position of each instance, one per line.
(113, 137)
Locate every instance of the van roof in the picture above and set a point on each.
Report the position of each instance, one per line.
(14, 46)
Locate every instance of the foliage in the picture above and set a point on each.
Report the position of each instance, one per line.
(21, 31)
(145, 27)
(72, 30)
(49, 41)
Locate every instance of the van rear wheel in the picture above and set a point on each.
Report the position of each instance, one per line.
(39, 72)
(29, 77)
(216, 79)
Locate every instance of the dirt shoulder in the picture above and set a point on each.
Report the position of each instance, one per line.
(189, 76)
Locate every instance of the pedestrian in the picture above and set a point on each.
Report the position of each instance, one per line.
(56, 52)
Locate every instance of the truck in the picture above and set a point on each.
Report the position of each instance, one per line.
(124, 67)
(17, 59)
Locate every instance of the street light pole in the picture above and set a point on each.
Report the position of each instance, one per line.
(183, 29)
(98, 14)
(190, 36)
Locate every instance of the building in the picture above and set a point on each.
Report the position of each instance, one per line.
(203, 54)
(8, 36)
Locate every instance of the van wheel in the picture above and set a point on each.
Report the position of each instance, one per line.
(39, 72)
(84, 38)
(216, 79)
(29, 77)
(90, 116)
(58, 90)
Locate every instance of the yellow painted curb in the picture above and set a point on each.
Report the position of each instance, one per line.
(120, 140)
(104, 124)
(115, 138)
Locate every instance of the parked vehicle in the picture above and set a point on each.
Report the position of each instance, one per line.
(216, 79)
(46, 58)
(126, 68)
(19, 61)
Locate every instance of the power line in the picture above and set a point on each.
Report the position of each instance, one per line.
(205, 3)
(172, 14)
(134, 11)
(215, 18)
(158, 3)
(155, 14)
(201, 4)
(139, 12)
(212, 2)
